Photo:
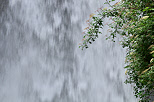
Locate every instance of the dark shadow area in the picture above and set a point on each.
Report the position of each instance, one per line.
(3, 5)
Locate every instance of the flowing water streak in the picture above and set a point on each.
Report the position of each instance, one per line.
(40, 60)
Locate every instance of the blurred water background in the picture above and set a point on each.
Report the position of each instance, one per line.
(40, 60)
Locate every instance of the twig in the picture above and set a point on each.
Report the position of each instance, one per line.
(109, 4)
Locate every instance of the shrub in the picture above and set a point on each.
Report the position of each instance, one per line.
(132, 19)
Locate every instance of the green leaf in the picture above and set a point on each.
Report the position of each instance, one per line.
(106, 3)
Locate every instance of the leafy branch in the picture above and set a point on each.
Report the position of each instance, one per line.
(133, 20)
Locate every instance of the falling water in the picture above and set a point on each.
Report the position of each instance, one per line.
(40, 60)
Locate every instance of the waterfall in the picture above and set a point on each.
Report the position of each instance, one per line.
(40, 60)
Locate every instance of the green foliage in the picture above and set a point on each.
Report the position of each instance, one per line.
(132, 19)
